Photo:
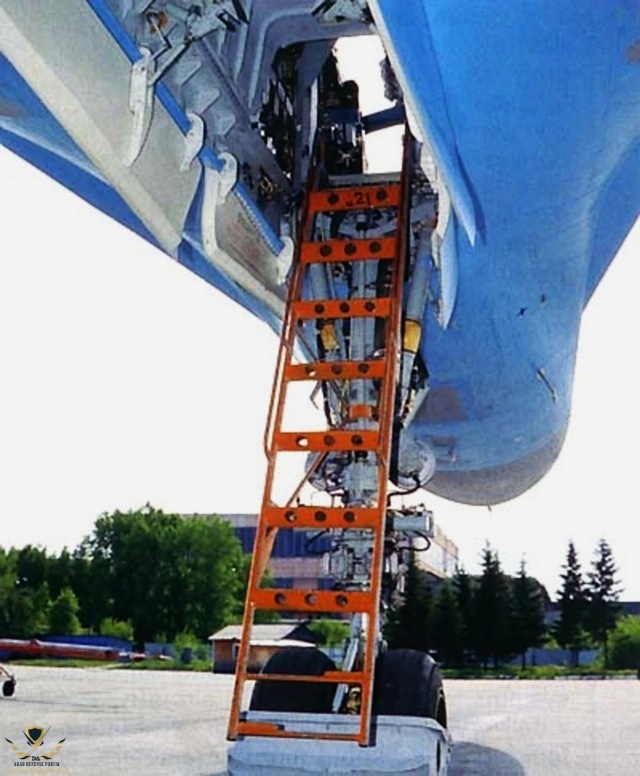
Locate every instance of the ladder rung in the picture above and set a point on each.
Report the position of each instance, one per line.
(323, 517)
(272, 730)
(330, 677)
(313, 600)
(320, 441)
(343, 308)
(355, 198)
(336, 370)
(348, 250)
(360, 411)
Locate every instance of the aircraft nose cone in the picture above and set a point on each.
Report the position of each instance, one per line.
(497, 484)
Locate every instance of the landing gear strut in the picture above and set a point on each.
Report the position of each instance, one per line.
(345, 328)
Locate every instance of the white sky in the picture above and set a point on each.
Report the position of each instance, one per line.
(127, 379)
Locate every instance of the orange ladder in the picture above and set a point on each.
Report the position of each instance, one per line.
(374, 439)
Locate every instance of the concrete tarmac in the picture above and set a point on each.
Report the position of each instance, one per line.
(164, 723)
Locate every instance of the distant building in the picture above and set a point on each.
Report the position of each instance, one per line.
(296, 561)
(442, 558)
(265, 640)
(552, 611)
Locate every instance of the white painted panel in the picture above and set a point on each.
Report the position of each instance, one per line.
(71, 61)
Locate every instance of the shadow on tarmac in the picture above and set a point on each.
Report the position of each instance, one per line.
(474, 760)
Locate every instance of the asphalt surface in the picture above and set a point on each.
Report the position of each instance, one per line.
(545, 728)
(130, 722)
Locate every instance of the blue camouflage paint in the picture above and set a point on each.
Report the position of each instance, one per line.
(537, 106)
(533, 109)
(29, 130)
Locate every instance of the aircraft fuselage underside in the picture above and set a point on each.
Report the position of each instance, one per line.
(193, 124)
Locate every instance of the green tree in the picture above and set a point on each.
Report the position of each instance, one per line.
(448, 626)
(116, 629)
(409, 622)
(261, 616)
(331, 633)
(63, 614)
(23, 606)
(32, 566)
(624, 644)
(492, 611)
(8, 581)
(569, 631)
(164, 573)
(203, 559)
(528, 628)
(91, 575)
(60, 572)
(464, 587)
(603, 592)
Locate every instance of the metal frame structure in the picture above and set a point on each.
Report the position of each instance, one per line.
(365, 429)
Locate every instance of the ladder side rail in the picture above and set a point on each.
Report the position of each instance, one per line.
(386, 423)
(288, 330)
(266, 535)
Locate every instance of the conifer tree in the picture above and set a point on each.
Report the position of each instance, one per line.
(528, 613)
(492, 611)
(603, 591)
(463, 586)
(569, 630)
(447, 626)
(409, 624)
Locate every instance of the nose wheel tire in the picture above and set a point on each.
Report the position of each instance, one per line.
(295, 696)
(409, 683)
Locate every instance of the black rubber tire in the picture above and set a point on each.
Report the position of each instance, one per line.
(8, 688)
(306, 697)
(409, 683)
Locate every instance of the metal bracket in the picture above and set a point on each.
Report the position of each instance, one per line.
(193, 140)
(228, 175)
(202, 19)
(284, 259)
(140, 104)
(357, 629)
(144, 77)
(341, 10)
(218, 184)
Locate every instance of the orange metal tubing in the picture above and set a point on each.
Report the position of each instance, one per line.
(266, 536)
(330, 677)
(272, 730)
(274, 517)
(357, 411)
(342, 441)
(355, 198)
(386, 430)
(346, 308)
(336, 370)
(322, 517)
(348, 250)
(275, 599)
